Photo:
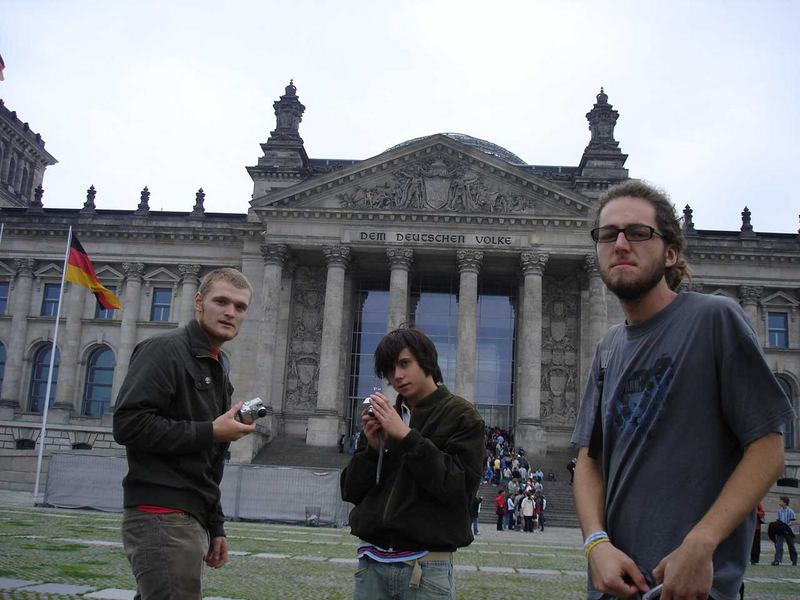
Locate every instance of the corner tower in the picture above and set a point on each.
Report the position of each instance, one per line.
(602, 163)
(285, 162)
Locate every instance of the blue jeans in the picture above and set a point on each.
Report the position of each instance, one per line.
(391, 581)
(166, 554)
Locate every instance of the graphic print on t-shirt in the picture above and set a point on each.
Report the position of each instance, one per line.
(643, 398)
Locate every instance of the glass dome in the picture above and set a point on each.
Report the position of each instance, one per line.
(482, 145)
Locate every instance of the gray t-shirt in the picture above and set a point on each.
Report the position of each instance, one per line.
(684, 393)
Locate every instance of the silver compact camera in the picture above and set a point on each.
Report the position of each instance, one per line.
(251, 410)
(368, 401)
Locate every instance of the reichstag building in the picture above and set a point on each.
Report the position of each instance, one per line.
(488, 254)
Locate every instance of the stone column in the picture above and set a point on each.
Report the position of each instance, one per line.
(275, 256)
(70, 347)
(400, 260)
(282, 335)
(266, 321)
(130, 314)
(189, 283)
(469, 264)
(598, 310)
(16, 178)
(323, 426)
(4, 166)
(529, 432)
(15, 348)
(749, 296)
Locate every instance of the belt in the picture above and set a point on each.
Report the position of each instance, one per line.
(416, 569)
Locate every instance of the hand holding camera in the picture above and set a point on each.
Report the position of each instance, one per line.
(370, 410)
(251, 410)
(370, 424)
(230, 426)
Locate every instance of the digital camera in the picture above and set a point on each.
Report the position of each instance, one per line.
(368, 401)
(251, 410)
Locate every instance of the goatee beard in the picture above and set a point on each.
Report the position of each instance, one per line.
(635, 289)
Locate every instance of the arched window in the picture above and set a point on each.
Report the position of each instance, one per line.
(99, 376)
(41, 365)
(2, 363)
(789, 441)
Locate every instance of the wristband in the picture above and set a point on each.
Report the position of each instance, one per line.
(594, 543)
(594, 536)
(592, 540)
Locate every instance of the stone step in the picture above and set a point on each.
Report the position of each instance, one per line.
(287, 451)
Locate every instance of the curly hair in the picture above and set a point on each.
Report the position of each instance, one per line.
(667, 222)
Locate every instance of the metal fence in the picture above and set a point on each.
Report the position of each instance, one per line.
(249, 492)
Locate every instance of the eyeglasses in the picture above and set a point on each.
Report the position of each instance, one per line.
(632, 233)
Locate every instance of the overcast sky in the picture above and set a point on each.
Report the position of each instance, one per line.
(178, 95)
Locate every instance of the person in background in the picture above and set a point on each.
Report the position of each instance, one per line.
(784, 532)
(475, 512)
(500, 508)
(755, 549)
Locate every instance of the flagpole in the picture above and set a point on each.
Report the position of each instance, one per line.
(53, 351)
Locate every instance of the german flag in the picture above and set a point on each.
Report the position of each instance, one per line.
(81, 271)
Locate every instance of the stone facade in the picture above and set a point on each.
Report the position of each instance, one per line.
(23, 161)
(446, 207)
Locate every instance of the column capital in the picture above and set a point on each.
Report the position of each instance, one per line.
(400, 258)
(189, 271)
(533, 262)
(469, 261)
(750, 294)
(590, 264)
(24, 266)
(133, 270)
(274, 254)
(337, 255)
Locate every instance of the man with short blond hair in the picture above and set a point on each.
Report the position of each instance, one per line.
(173, 416)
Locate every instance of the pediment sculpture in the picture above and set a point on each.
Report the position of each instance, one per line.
(440, 183)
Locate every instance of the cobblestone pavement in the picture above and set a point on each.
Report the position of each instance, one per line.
(71, 554)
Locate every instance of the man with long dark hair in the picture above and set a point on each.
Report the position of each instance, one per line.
(413, 476)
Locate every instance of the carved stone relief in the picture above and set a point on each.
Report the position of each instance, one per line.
(560, 349)
(442, 183)
(305, 339)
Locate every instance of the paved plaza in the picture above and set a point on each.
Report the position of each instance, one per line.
(49, 553)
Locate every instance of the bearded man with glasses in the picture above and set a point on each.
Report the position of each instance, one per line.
(679, 427)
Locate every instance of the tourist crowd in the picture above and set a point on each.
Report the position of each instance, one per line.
(520, 503)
